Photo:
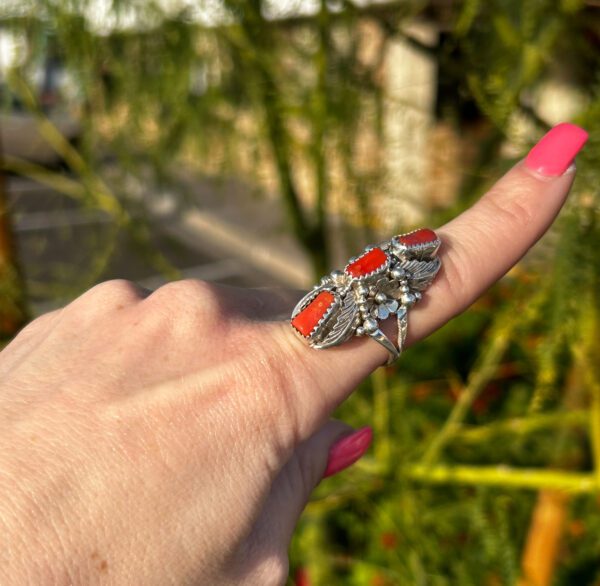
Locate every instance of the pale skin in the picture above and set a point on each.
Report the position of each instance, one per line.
(175, 437)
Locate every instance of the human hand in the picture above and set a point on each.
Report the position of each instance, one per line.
(175, 437)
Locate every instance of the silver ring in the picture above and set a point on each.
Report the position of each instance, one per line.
(384, 280)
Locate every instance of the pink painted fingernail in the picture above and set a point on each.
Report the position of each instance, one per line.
(348, 450)
(555, 152)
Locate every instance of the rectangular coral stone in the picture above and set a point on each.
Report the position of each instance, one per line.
(367, 263)
(310, 316)
(422, 236)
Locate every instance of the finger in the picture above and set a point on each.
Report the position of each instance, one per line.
(335, 447)
(483, 243)
(478, 247)
(260, 304)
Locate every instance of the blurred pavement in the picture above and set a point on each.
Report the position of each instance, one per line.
(226, 241)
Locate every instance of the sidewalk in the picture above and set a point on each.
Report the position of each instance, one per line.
(225, 218)
(230, 242)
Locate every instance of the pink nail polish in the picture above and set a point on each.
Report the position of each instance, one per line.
(555, 152)
(348, 450)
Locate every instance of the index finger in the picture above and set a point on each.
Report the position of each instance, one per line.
(478, 247)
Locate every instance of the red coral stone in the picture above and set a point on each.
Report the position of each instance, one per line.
(422, 236)
(309, 317)
(367, 263)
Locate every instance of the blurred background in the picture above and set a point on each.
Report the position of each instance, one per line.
(255, 143)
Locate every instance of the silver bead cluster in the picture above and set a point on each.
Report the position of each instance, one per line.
(359, 300)
(370, 296)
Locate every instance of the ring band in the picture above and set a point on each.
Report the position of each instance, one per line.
(384, 280)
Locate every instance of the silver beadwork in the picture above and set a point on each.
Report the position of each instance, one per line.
(384, 280)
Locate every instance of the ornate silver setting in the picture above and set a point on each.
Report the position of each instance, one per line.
(384, 280)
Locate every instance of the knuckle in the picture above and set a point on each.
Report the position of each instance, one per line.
(507, 211)
(460, 266)
(195, 299)
(114, 292)
(453, 271)
(107, 296)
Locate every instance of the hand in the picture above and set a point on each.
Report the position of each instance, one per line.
(175, 437)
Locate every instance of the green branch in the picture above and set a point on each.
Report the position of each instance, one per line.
(320, 131)
(478, 378)
(90, 188)
(587, 355)
(255, 49)
(505, 477)
(525, 425)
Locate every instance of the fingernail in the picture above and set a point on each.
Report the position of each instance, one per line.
(348, 450)
(555, 152)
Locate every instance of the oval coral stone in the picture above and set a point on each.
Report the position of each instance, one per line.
(422, 236)
(367, 263)
(309, 317)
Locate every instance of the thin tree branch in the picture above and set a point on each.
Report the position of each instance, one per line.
(505, 477)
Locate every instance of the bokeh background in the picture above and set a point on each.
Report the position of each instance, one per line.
(256, 142)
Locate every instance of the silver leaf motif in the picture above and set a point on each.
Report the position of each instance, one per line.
(343, 326)
(421, 272)
(363, 301)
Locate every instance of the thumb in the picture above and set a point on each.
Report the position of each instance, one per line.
(335, 447)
